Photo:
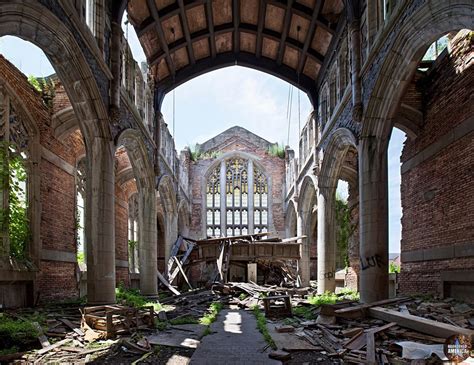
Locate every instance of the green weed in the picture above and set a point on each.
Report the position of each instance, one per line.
(262, 326)
(211, 314)
(132, 297)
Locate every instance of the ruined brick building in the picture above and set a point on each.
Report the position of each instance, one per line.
(100, 178)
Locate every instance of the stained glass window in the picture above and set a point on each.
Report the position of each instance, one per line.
(237, 189)
(260, 201)
(236, 194)
(213, 203)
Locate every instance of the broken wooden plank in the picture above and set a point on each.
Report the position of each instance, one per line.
(182, 272)
(360, 310)
(68, 323)
(53, 346)
(370, 354)
(423, 325)
(41, 337)
(165, 283)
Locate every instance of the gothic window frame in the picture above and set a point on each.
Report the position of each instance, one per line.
(243, 210)
(27, 133)
(80, 210)
(133, 233)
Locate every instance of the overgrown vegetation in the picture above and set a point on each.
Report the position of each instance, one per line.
(308, 312)
(14, 219)
(132, 297)
(344, 228)
(262, 326)
(211, 315)
(197, 154)
(277, 150)
(184, 320)
(16, 334)
(45, 86)
(393, 267)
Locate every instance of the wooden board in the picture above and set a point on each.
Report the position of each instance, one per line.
(419, 324)
(361, 310)
(289, 341)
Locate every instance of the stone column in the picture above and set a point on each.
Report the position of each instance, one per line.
(304, 261)
(373, 193)
(100, 222)
(148, 241)
(115, 64)
(4, 139)
(326, 240)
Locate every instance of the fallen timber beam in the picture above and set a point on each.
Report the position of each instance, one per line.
(359, 311)
(419, 324)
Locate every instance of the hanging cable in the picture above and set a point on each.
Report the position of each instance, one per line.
(174, 88)
(298, 28)
(287, 114)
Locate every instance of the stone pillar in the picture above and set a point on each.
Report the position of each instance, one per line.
(116, 64)
(100, 222)
(354, 28)
(304, 261)
(147, 241)
(373, 193)
(326, 240)
(4, 139)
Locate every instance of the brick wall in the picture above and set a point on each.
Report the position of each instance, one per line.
(438, 194)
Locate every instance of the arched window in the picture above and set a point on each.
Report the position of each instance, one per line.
(133, 233)
(236, 189)
(14, 222)
(80, 212)
(242, 206)
(213, 203)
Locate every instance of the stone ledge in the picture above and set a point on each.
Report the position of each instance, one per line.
(55, 255)
(439, 253)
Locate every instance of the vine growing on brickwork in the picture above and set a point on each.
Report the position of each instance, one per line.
(14, 218)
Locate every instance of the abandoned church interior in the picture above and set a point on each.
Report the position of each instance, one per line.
(118, 247)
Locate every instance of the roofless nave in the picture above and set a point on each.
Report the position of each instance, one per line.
(93, 145)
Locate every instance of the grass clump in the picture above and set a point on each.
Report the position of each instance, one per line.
(277, 150)
(133, 298)
(333, 298)
(211, 315)
(184, 320)
(16, 333)
(305, 312)
(262, 326)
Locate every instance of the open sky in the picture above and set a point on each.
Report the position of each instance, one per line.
(216, 101)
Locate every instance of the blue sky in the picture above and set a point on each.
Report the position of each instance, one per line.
(211, 103)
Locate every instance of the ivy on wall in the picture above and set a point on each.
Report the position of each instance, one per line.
(14, 219)
(344, 228)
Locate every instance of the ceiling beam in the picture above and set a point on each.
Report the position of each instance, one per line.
(310, 35)
(187, 35)
(236, 21)
(261, 22)
(229, 59)
(210, 26)
(285, 31)
(229, 27)
(161, 36)
(306, 13)
(166, 13)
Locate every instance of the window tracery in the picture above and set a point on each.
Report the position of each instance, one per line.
(242, 206)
